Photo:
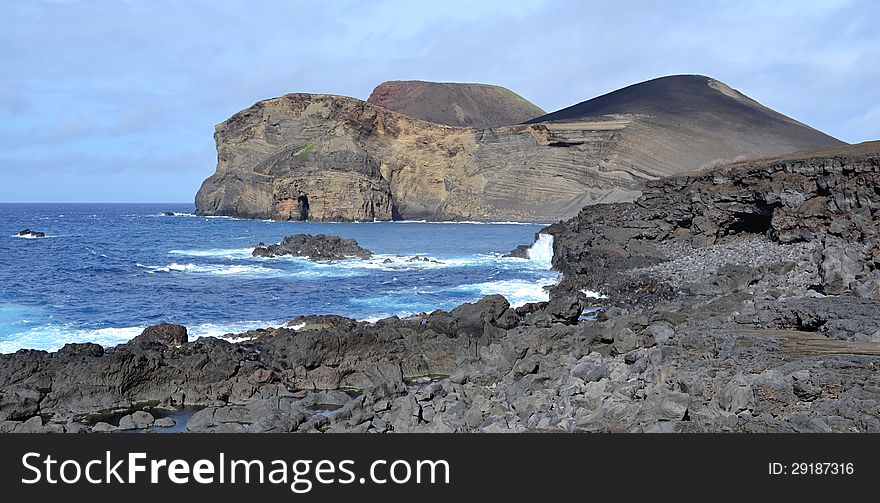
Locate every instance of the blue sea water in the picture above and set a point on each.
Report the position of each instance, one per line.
(105, 271)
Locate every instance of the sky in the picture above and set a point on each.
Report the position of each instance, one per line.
(116, 101)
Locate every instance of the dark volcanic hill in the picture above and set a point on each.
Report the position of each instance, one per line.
(469, 105)
(687, 120)
(322, 157)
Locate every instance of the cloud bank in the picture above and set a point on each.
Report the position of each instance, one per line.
(116, 101)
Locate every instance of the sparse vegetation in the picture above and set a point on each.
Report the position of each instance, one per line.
(305, 150)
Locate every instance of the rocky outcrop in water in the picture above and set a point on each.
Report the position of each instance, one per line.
(319, 248)
(325, 158)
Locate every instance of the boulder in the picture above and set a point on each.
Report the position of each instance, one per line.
(521, 251)
(163, 334)
(164, 422)
(138, 420)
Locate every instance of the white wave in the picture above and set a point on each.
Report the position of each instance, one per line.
(227, 253)
(213, 269)
(389, 262)
(394, 262)
(168, 268)
(176, 214)
(399, 314)
(541, 252)
(228, 331)
(517, 291)
(53, 337)
(31, 236)
(309, 271)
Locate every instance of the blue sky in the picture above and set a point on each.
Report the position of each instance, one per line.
(116, 100)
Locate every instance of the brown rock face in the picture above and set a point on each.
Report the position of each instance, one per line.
(478, 106)
(331, 158)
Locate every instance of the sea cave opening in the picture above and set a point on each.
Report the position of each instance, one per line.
(303, 202)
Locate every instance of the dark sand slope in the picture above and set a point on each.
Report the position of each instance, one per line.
(689, 121)
(478, 106)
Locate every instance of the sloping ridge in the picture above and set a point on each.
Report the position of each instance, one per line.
(687, 120)
(478, 106)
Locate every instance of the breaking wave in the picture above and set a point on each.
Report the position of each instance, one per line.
(53, 337)
(517, 291)
(227, 253)
(541, 251)
(31, 236)
(213, 269)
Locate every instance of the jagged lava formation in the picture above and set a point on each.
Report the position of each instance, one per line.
(332, 158)
(826, 201)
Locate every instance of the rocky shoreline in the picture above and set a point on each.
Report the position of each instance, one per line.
(743, 299)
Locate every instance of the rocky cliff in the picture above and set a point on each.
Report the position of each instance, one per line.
(478, 106)
(321, 157)
(825, 201)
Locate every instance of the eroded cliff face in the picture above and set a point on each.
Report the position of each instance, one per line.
(331, 158)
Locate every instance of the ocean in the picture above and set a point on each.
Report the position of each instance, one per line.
(105, 271)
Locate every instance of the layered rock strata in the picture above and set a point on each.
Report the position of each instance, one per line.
(329, 158)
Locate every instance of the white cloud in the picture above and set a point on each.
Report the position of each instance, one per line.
(97, 77)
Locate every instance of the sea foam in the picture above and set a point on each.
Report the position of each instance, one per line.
(213, 269)
(517, 291)
(541, 252)
(227, 253)
(52, 337)
(31, 236)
